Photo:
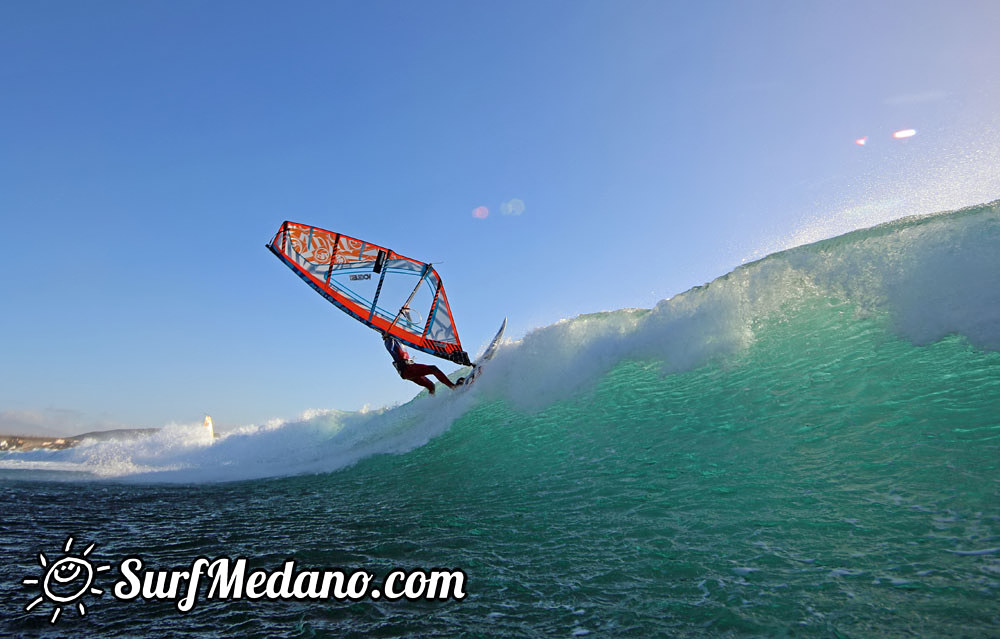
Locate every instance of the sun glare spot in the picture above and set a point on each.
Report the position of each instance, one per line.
(904, 133)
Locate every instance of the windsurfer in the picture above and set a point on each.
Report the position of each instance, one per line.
(410, 370)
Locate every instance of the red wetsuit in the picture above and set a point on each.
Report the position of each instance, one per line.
(410, 370)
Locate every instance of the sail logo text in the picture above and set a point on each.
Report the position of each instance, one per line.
(225, 578)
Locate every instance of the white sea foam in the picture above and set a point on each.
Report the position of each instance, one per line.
(928, 277)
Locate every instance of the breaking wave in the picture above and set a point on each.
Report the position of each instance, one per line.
(920, 279)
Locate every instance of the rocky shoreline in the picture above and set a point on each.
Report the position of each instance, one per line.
(22, 443)
(26, 442)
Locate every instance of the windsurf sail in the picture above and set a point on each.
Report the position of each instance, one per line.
(376, 286)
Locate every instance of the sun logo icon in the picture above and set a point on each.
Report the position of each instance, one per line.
(65, 581)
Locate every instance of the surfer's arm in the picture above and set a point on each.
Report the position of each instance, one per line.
(395, 348)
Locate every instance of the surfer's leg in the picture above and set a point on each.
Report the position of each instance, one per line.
(441, 377)
(423, 381)
(425, 369)
(416, 373)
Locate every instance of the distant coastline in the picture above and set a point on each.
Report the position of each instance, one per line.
(22, 443)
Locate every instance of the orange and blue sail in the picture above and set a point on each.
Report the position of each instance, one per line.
(378, 287)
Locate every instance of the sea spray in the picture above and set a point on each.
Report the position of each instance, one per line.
(919, 279)
(807, 447)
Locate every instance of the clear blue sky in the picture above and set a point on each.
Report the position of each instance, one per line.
(149, 150)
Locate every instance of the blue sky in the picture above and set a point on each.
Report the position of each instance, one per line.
(149, 151)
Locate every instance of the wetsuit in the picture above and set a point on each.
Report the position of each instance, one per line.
(411, 371)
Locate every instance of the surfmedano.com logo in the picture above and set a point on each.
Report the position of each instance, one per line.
(69, 579)
(65, 581)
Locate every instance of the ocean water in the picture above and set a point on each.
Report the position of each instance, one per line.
(808, 446)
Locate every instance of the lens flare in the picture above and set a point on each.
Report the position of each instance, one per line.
(480, 212)
(861, 141)
(904, 133)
